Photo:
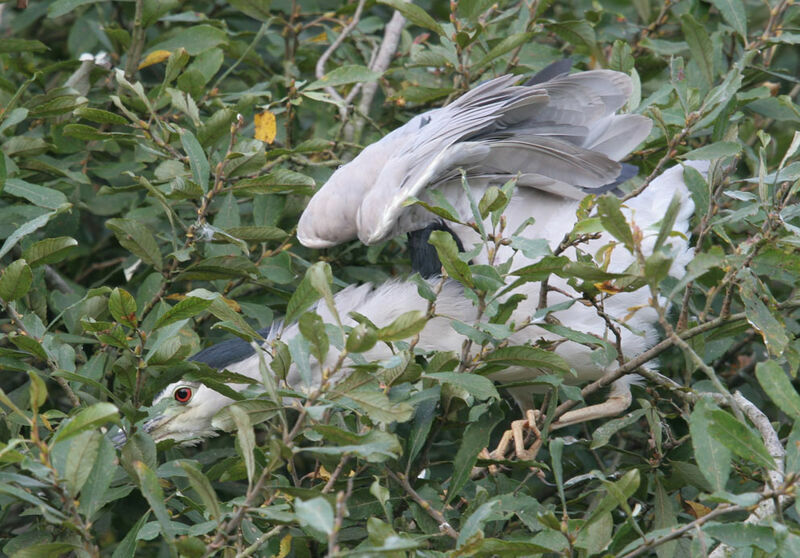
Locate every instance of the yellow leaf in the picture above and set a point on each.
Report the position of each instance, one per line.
(285, 547)
(323, 473)
(154, 58)
(266, 128)
(696, 509)
(607, 287)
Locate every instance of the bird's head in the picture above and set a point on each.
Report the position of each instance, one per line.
(183, 412)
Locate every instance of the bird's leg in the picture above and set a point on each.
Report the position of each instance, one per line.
(615, 405)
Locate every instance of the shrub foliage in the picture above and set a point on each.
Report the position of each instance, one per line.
(147, 205)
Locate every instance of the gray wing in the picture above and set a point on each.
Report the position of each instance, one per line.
(561, 135)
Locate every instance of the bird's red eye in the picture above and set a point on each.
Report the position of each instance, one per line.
(183, 394)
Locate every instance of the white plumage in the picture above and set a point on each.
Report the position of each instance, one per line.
(558, 137)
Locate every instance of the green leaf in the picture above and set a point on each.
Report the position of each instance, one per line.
(447, 249)
(529, 357)
(482, 421)
(699, 41)
(63, 7)
(100, 116)
(740, 439)
(423, 420)
(415, 15)
(275, 182)
(15, 280)
(127, 546)
(197, 159)
(668, 222)
(542, 269)
(712, 456)
(83, 452)
(616, 495)
(608, 207)
(764, 320)
(258, 410)
(85, 133)
(257, 234)
(744, 535)
(245, 440)
(313, 329)
(122, 306)
(87, 419)
(361, 338)
(303, 297)
(320, 277)
(344, 75)
(49, 250)
(713, 151)
(93, 494)
(151, 490)
(376, 405)
(37, 391)
(579, 32)
(257, 9)
(195, 39)
(186, 308)
(220, 267)
(406, 325)
(138, 239)
(47, 550)
(21, 45)
(621, 58)
(588, 272)
(39, 196)
(479, 387)
(29, 227)
(29, 345)
(316, 513)
(778, 387)
(733, 12)
(202, 486)
(699, 189)
(375, 446)
(602, 435)
(506, 45)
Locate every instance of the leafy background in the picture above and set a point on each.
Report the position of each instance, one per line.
(147, 207)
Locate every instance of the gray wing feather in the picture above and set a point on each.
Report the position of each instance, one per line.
(564, 132)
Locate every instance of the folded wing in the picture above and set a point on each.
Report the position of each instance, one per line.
(560, 136)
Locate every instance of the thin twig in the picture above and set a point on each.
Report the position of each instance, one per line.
(444, 526)
(634, 364)
(679, 532)
(137, 42)
(16, 319)
(319, 70)
(391, 39)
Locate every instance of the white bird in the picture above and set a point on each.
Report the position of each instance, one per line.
(558, 137)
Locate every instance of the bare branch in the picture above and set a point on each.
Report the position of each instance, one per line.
(391, 38)
(319, 70)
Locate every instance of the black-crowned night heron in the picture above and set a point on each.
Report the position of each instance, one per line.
(559, 137)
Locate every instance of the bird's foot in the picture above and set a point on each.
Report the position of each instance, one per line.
(517, 434)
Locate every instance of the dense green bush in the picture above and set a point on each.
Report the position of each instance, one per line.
(146, 211)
